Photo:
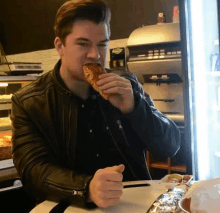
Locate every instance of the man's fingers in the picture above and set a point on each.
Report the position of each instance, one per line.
(114, 84)
(115, 186)
(110, 194)
(105, 188)
(114, 194)
(114, 176)
(110, 174)
(111, 185)
(104, 75)
(106, 78)
(108, 202)
(120, 168)
(117, 90)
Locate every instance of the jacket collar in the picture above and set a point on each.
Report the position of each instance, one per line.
(59, 81)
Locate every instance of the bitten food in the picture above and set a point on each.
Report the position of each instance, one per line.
(91, 73)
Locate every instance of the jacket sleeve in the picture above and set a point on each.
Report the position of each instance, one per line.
(40, 173)
(149, 126)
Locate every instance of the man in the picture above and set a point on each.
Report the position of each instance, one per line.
(68, 142)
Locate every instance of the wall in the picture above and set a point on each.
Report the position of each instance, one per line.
(27, 25)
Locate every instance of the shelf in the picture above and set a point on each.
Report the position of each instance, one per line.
(5, 100)
(18, 79)
(5, 106)
(4, 128)
(4, 164)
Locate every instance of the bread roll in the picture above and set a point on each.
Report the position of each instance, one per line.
(91, 73)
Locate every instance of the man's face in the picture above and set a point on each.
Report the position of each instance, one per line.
(88, 43)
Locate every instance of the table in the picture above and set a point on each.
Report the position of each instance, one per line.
(134, 199)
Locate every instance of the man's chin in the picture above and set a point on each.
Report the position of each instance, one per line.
(79, 78)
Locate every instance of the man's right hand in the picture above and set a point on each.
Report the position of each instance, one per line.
(105, 189)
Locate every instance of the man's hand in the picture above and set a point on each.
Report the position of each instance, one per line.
(105, 189)
(120, 90)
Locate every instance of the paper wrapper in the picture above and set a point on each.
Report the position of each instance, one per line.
(168, 201)
(205, 196)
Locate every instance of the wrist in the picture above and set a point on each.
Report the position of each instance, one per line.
(128, 110)
(88, 194)
(89, 189)
(130, 107)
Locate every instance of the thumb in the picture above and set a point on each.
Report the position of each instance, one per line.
(120, 168)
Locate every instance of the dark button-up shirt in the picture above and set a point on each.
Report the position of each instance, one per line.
(95, 148)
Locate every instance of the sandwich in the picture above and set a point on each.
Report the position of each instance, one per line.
(91, 73)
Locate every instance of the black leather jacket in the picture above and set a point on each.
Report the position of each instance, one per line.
(44, 119)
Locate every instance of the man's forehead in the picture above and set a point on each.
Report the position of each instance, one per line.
(81, 24)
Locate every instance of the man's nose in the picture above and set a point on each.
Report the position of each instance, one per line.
(93, 53)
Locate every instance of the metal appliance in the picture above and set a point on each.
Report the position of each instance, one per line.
(154, 56)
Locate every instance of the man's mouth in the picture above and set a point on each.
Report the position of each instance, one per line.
(92, 63)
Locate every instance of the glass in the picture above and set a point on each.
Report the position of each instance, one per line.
(204, 81)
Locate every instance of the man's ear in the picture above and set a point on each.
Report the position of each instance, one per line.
(59, 46)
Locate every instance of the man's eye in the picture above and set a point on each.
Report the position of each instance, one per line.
(103, 45)
(84, 44)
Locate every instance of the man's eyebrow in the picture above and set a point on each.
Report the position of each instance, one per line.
(86, 39)
(106, 40)
(83, 39)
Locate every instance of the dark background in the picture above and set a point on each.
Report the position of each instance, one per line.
(27, 25)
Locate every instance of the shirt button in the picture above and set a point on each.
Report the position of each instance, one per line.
(90, 130)
(107, 128)
(97, 155)
(94, 97)
(82, 106)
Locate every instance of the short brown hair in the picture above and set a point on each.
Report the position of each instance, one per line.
(97, 11)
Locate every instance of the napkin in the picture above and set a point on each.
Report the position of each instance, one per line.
(205, 196)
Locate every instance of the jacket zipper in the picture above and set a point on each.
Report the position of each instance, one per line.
(122, 131)
(65, 190)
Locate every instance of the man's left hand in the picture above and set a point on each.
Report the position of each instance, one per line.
(119, 89)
